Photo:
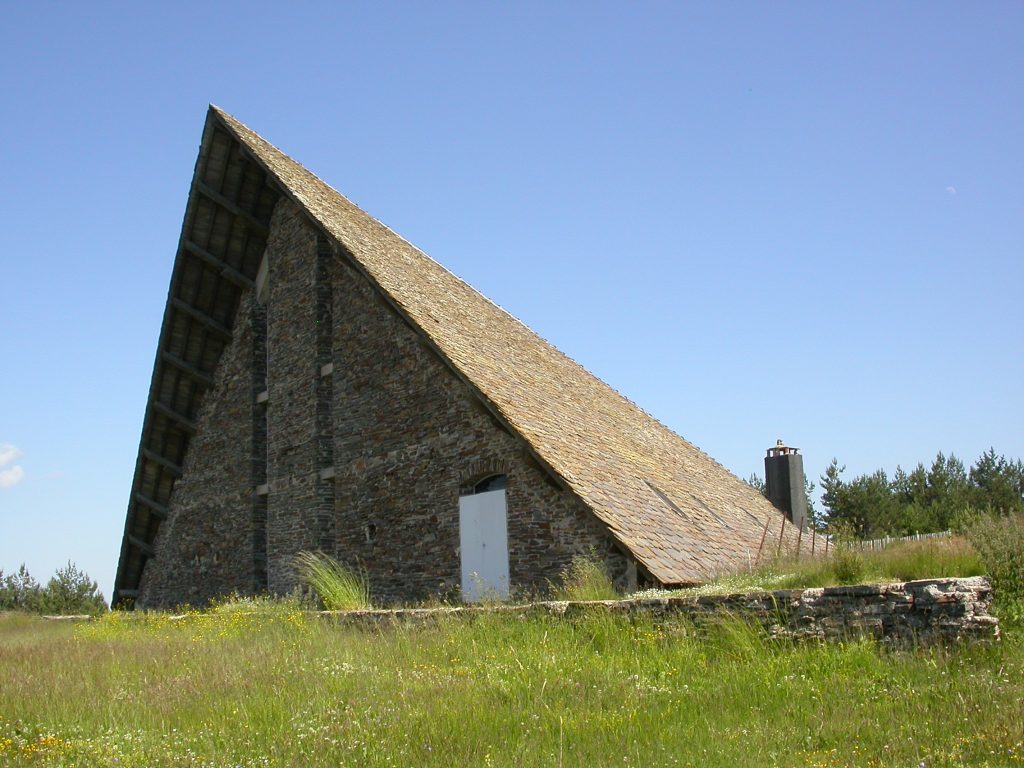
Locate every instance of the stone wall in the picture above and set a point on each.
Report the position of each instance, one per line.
(292, 376)
(926, 612)
(408, 435)
(205, 547)
(359, 449)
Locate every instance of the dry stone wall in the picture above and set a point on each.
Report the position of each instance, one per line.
(924, 612)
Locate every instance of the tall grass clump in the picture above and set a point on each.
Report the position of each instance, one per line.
(585, 578)
(338, 587)
(926, 559)
(1000, 541)
(905, 561)
(845, 564)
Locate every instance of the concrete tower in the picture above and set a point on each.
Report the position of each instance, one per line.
(784, 479)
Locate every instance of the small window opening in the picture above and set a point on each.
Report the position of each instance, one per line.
(371, 533)
(492, 483)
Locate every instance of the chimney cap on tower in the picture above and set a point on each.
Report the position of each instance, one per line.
(781, 449)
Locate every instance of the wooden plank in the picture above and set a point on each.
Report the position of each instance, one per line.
(130, 593)
(182, 421)
(156, 458)
(228, 272)
(187, 368)
(213, 325)
(157, 509)
(144, 547)
(230, 205)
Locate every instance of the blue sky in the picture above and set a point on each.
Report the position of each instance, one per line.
(800, 220)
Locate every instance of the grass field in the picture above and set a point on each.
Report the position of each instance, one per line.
(287, 688)
(270, 684)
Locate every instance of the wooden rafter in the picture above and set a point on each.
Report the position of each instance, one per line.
(229, 205)
(163, 461)
(213, 325)
(144, 547)
(181, 420)
(226, 271)
(157, 509)
(245, 234)
(187, 368)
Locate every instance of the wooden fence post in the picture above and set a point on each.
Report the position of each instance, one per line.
(782, 530)
(763, 535)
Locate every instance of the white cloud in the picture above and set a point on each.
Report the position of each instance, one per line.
(12, 476)
(8, 453)
(951, 190)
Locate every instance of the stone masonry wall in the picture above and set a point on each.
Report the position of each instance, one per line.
(408, 435)
(205, 547)
(924, 612)
(360, 450)
(292, 376)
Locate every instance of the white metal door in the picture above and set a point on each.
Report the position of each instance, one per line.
(483, 543)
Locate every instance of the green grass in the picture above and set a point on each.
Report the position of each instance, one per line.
(338, 587)
(929, 558)
(279, 686)
(260, 682)
(585, 578)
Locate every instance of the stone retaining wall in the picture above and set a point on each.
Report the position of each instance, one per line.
(926, 612)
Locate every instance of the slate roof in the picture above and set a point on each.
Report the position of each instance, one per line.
(680, 513)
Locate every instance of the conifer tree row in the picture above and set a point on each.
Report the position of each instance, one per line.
(69, 591)
(924, 499)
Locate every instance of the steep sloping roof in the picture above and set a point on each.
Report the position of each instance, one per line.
(680, 513)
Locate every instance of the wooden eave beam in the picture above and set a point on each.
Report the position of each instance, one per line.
(228, 272)
(157, 509)
(185, 308)
(230, 205)
(144, 547)
(128, 572)
(203, 378)
(184, 422)
(163, 461)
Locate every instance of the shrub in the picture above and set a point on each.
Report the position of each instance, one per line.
(338, 587)
(1000, 541)
(585, 578)
(71, 591)
(847, 565)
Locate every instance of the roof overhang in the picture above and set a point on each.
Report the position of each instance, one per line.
(222, 240)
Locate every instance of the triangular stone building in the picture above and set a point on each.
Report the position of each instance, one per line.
(320, 384)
